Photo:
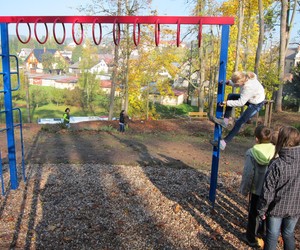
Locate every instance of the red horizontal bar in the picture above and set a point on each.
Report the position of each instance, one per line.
(205, 20)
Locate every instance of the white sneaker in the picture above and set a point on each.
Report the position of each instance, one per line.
(222, 144)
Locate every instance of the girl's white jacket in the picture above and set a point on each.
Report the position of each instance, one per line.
(252, 92)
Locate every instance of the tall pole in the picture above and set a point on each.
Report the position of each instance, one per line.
(219, 113)
(11, 149)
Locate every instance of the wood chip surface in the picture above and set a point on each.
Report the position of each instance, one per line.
(94, 206)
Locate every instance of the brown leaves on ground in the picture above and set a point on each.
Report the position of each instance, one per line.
(69, 206)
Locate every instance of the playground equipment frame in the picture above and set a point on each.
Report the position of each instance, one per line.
(136, 21)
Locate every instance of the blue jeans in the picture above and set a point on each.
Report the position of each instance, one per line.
(122, 127)
(286, 226)
(245, 116)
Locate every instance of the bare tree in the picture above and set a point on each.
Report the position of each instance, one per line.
(261, 35)
(114, 74)
(239, 35)
(285, 30)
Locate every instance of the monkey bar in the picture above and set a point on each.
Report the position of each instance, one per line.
(116, 21)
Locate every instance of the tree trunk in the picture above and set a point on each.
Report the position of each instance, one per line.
(261, 36)
(114, 75)
(27, 99)
(282, 49)
(126, 89)
(286, 25)
(239, 35)
(200, 8)
(238, 43)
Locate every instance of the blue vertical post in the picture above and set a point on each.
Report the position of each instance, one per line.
(219, 113)
(11, 148)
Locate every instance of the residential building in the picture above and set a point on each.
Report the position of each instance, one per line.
(56, 81)
(24, 53)
(292, 58)
(34, 60)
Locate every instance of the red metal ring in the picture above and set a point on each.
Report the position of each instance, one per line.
(157, 32)
(17, 32)
(93, 32)
(178, 33)
(136, 42)
(73, 32)
(116, 41)
(200, 33)
(35, 33)
(64, 28)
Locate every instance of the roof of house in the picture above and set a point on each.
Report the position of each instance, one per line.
(38, 53)
(57, 78)
(77, 66)
(26, 51)
(105, 83)
(291, 53)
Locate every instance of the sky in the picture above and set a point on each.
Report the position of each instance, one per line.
(68, 8)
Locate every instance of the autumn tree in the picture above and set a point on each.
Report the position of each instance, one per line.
(287, 16)
(48, 61)
(117, 8)
(149, 71)
(87, 80)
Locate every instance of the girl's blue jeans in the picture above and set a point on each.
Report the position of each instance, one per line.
(286, 226)
(245, 116)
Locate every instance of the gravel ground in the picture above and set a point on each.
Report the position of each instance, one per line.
(97, 206)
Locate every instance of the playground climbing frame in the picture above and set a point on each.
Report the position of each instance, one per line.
(96, 23)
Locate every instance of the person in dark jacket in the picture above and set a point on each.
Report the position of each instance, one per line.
(279, 201)
(122, 121)
(256, 163)
(66, 118)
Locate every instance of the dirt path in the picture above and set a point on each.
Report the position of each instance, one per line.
(91, 186)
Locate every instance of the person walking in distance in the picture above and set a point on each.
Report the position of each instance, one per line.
(66, 118)
(279, 202)
(252, 94)
(122, 121)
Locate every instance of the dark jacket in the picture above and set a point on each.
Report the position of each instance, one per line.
(122, 118)
(280, 195)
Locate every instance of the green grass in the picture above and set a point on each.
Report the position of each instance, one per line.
(55, 111)
(173, 111)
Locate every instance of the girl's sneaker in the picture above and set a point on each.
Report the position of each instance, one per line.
(222, 144)
(219, 121)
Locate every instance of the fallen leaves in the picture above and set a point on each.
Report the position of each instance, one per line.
(122, 207)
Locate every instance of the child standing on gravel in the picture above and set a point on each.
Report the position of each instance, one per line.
(255, 167)
(279, 201)
(252, 94)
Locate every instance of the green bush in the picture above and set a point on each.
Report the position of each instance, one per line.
(173, 111)
(108, 128)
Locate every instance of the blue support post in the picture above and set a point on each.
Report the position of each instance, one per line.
(1, 175)
(219, 113)
(11, 148)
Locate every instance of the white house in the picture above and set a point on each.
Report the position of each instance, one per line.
(99, 68)
(34, 61)
(56, 81)
(24, 53)
(292, 58)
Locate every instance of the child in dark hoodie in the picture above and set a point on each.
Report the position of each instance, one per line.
(256, 164)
